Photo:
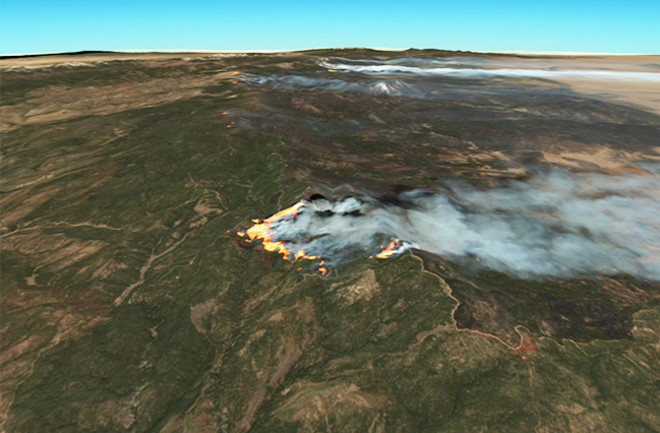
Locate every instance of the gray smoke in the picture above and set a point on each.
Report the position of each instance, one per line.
(433, 61)
(554, 225)
(391, 87)
(477, 73)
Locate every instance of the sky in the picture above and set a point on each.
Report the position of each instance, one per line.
(44, 26)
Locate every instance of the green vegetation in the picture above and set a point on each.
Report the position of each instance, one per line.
(128, 306)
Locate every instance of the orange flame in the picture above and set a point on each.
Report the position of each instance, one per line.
(261, 230)
(388, 251)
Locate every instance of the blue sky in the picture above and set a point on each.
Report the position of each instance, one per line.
(38, 26)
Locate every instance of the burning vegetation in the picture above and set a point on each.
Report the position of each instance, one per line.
(553, 225)
(271, 232)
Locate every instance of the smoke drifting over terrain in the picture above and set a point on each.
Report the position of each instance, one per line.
(451, 78)
(379, 68)
(392, 87)
(555, 225)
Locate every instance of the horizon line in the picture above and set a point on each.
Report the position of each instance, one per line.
(385, 49)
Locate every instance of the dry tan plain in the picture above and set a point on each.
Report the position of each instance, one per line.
(129, 304)
(642, 94)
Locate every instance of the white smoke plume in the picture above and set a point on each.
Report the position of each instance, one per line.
(430, 61)
(413, 61)
(392, 87)
(554, 225)
(477, 73)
